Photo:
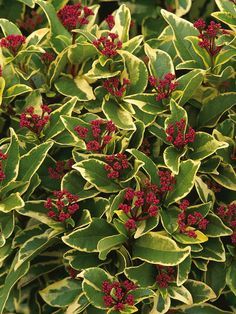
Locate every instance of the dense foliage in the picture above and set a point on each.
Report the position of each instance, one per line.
(117, 158)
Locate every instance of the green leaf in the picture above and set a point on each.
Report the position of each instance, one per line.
(200, 264)
(225, 55)
(212, 111)
(94, 172)
(27, 233)
(156, 248)
(16, 90)
(210, 165)
(191, 87)
(5, 251)
(169, 219)
(78, 305)
(226, 6)
(226, 176)
(55, 125)
(200, 208)
(122, 118)
(88, 35)
(149, 166)
(30, 3)
(142, 294)
(79, 52)
(172, 158)
(58, 65)
(177, 113)
(213, 250)
(217, 283)
(180, 294)
(183, 270)
(185, 239)
(204, 308)
(199, 291)
(2, 86)
(11, 279)
(146, 226)
(161, 304)
(70, 123)
(14, 201)
(7, 225)
(160, 63)
(181, 29)
(203, 191)
(56, 27)
(9, 28)
(81, 260)
(147, 281)
(61, 293)
(132, 44)
(184, 181)
(37, 211)
(30, 162)
(137, 73)
(99, 71)
(204, 145)
(122, 22)
(34, 246)
(216, 228)
(226, 17)
(110, 243)
(97, 206)
(146, 103)
(76, 184)
(230, 277)
(183, 7)
(202, 53)
(92, 285)
(11, 165)
(86, 239)
(78, 88)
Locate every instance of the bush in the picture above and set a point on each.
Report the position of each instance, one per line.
(117, 158)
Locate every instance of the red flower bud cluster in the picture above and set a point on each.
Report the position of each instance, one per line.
(165, 86)
(110, 20)
(12, 43)
(195, 220)
(214, 186)
(62, 167)
(74, 15)
(167, 181)
(35, 122)
(114, 86)
(177, 136)
(63, 207)
(118, 294)
(165, 276)
(0, 71)
(116, 164)
(145, 147)
(100, 130)
(208, 35)
(72, 272)
(2, 157)
(47, 57)
(139, 205)
(108, 45)
(228, 215)
(30, 21)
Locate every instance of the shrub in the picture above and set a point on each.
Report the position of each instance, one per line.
(117, 161)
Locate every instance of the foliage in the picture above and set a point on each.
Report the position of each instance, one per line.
(117, 159)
